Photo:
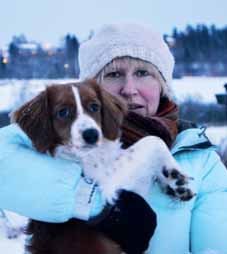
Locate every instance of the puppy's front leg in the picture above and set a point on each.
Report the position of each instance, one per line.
(167, 171)
(141, 164)
(132, 171)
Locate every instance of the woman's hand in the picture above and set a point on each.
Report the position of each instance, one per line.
(130, 222)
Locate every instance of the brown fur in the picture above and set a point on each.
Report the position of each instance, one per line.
(38, 119)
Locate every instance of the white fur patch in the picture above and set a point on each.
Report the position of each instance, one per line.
(81, 123)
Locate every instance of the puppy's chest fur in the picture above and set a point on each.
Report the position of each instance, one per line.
(98, 163)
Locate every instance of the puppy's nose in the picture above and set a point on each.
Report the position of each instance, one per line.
(90, 136)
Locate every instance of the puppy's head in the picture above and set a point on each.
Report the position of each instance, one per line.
(111, 110)
(70, 114)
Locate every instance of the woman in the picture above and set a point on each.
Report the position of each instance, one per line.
(133, 62)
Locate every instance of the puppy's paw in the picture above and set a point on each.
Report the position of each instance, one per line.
(175, 184)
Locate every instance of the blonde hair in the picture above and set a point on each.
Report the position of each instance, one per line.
(116, 63)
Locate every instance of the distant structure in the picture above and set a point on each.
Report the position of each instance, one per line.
(222, 99)
(32, 60)
(199, 50)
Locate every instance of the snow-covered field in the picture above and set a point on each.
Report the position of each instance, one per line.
(216, 133)
(15, 92)
(201, 88)
(13, 245)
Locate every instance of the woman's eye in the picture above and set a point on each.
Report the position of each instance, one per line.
(113, 74)
(142, 73)
(94, 107)
(63, 113)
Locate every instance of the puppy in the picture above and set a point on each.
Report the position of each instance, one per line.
(82, 122)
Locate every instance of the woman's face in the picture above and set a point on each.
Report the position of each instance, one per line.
(135, 82)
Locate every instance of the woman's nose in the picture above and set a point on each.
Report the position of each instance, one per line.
(128, 88)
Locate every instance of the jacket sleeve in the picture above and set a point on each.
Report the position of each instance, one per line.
(42, 187)
(209, 215)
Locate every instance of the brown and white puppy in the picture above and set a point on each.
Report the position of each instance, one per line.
(82, 122)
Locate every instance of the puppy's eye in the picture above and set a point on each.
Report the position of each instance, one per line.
(94, 107)
(63, 113)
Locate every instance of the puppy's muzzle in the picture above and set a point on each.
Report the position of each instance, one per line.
(90, 136)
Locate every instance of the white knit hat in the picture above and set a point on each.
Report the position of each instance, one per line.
(118, 40)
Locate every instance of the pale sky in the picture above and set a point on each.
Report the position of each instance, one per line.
(50, 20)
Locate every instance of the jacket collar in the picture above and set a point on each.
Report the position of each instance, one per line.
(191, 139)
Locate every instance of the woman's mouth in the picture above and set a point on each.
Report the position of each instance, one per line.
(134, 106)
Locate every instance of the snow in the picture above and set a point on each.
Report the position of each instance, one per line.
(7, 95)
(200, 88)
(216, 134)
(15, 245)
(14, 92)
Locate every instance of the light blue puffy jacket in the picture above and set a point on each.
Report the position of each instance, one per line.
(198, 225)
(40, 187)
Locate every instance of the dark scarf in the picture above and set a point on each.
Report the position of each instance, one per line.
(163, 125)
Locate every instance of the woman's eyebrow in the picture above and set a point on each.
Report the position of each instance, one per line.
(114, 68)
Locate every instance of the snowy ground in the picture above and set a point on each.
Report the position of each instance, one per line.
(201, 88)
(14, 92)
(216, 133)
(14, 245)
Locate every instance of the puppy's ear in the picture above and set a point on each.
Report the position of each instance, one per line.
(113, 112)
(35, 120)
